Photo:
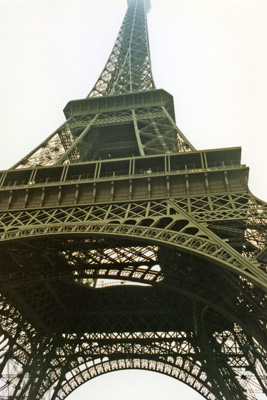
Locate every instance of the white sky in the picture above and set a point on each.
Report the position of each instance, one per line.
(211, 55)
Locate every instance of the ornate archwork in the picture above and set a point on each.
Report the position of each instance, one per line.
(88, 264)
(175, 228)
(123, 247)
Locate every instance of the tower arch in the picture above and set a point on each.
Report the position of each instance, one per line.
(121, 244)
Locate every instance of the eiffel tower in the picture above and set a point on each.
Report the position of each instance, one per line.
(124, 247)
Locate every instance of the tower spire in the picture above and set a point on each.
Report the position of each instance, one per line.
(128, 68)
(142, 123)
(124, 247)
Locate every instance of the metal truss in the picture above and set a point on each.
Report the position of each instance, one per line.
(127, 243)
(106, 246)
(90, 355)
(152, 130)
(128, 68)
(211, 354)
(226, 214)
(178, 358)
(122, 247)
(149, 131)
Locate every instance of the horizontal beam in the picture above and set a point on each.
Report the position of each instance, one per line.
(145, 184)
(98, 105)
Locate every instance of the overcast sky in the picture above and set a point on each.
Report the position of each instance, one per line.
(211, 55)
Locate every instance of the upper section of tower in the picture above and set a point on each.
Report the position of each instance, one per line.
(147, 4)
(128, 68)
(124, 115)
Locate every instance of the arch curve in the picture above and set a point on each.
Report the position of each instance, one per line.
(211, 248)
(181, 370)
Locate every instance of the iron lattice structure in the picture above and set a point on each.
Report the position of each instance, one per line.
(123, 247)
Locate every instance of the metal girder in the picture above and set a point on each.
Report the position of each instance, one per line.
(180, 355)
(105, 264)
(210, 248)
(155, 133)
(152, 214)
(124, 247)
(128, 68)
